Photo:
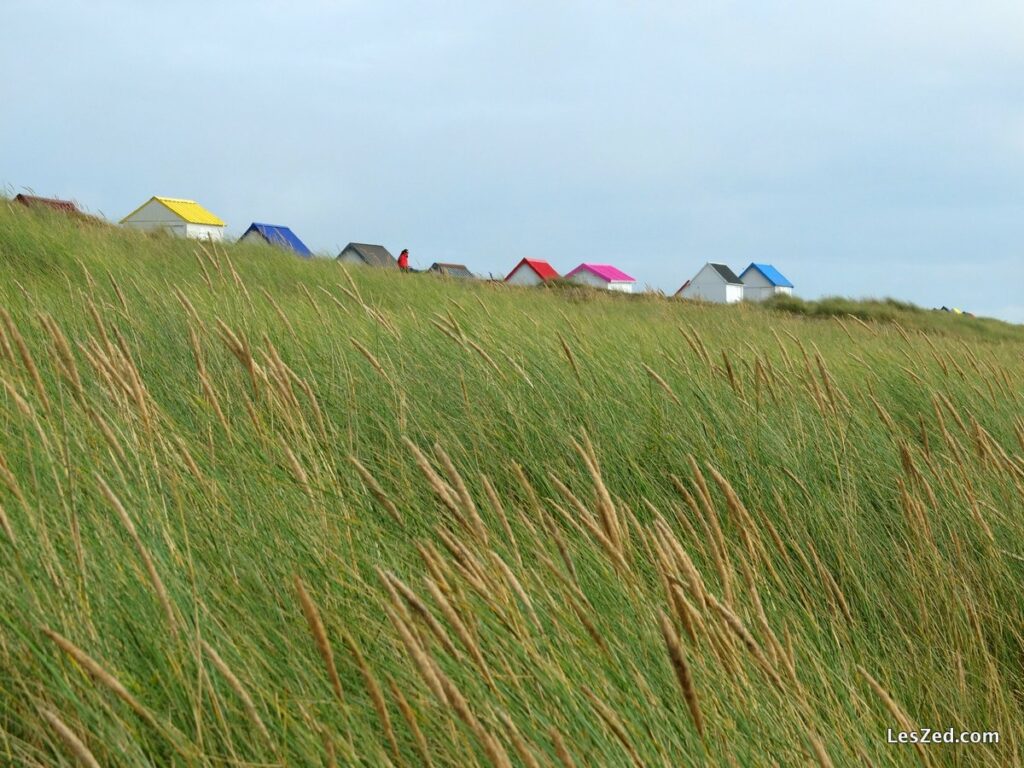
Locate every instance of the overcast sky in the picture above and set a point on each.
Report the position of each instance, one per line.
(864, 148)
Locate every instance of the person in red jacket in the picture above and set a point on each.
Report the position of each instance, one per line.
(403, 260)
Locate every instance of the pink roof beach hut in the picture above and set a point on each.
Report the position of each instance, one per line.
(602, 276)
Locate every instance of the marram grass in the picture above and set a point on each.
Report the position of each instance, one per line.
(260, 511)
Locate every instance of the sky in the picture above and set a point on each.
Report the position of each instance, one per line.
(863, 148)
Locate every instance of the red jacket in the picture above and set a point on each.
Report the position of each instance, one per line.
(403, 260)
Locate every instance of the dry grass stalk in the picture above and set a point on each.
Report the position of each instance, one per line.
(118, 292)
(682, 670)
(316, 628)
(418, 655)
(706, 512)
(447, 331)
(410, 719)
(101, 676)
(531, 493)
(499, 510)
(420, 609)
(735, 383)
(605, 508)
(895, 710)
(571, 358)
(66, 360)
(26, 410)
(820, 754)
(280, 313)
(588, 521)
(492, 747)
(466, 564)
(134, 379)
(443, 491)
(26, 359)
(108, 433)
(519, 743)
(755, 650)
(5, 346)
(560, 749)
(588, 625)
(333, 298)
(240, 691)
(300, 474)
(800, 483)
(517, 587)
(661, 383)
(775, 648)
(466, 504)
(5, 523)
(833, 585)
(239, 347)
(684, 609)
(376, 695)
(202, 268)
(697, 350)
(375, 489)
(483, 353)
(147, 561)
(461, 630)
(614, 723)
(208, 391)
(74, 744)
(683, 561)
(238, 281)
(744, 522)
(563, 552)
(371, 358)
(436, 564)
(562, 578)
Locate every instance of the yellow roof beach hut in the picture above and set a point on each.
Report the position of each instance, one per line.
(184, 218)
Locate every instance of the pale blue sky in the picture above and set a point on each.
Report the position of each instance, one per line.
(869, 148)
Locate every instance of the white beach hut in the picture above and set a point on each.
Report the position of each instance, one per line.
(184, 218)
(531, 272)
(602, 276)
(762, 281)
(714, 282)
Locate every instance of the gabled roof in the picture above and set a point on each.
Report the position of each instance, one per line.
(281, 236)
(189, 210)
(606, 272)
(544, 270)
(65, 206)
(770, 273)
(682, 288)
(371, 255)
(727, 274)
(451, 270)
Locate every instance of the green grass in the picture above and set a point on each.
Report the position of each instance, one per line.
(875, 533)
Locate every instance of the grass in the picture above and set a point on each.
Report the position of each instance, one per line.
(261, 511)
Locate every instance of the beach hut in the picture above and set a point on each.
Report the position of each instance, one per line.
(531, 272)
(274, 234)
(183, 218)
(451, 270)
(602, 276)
(714, 282)
(762, 281)
(31, 201)
(367, 255)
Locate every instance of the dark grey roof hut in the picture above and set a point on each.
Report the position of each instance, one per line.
(451, 270)
(370, 255)
(727, 274)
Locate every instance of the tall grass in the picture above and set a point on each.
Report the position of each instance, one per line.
(260, 511)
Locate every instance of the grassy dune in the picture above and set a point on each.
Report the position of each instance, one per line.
(256, 511)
